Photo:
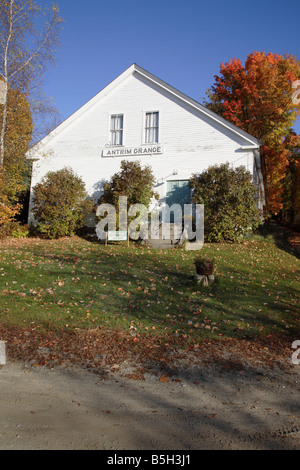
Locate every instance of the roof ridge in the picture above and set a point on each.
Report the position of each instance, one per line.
(170, 88)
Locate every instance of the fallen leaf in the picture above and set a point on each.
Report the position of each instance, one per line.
(164, 378)
(212, 416)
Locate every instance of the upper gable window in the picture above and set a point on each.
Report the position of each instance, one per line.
(116, 129)
(151, 128)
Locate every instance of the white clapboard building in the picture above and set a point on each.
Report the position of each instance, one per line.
(140, 117)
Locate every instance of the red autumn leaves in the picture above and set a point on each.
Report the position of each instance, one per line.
(257, 97)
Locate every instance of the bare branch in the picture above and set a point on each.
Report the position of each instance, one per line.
(36, 52)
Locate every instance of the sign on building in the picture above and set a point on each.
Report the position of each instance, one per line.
(131, 151)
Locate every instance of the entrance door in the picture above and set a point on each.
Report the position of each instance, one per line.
(178, 192)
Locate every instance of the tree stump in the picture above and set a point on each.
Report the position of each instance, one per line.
(205, 279)
(204, 271)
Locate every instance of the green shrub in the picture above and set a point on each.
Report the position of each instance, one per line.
(230, 202)
(60, 204)
(133, 181)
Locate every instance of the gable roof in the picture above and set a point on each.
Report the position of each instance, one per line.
(252, 142)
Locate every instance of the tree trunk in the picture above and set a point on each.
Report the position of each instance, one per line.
(3, 126)
(5, 79)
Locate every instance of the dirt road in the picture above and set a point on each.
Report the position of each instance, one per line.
(71, 408)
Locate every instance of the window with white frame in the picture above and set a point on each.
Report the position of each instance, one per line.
(116, 129)
(151, 127)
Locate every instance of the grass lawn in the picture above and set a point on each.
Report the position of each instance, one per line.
(74, 284)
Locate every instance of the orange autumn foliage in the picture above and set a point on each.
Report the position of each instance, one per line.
(7, 211)
(257, 97)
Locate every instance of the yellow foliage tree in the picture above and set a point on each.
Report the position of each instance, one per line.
(17, 139)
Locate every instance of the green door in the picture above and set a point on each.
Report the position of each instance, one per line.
(178, 192)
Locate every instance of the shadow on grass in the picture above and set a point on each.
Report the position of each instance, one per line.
(159, 289)
(281, 236)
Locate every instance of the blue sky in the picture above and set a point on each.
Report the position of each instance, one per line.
(181, 42)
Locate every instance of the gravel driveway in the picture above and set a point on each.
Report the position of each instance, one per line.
(72, 408)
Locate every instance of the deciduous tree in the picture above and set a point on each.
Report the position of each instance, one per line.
(18, 137)
(257, 97)
(15, 169)
(291, 190)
